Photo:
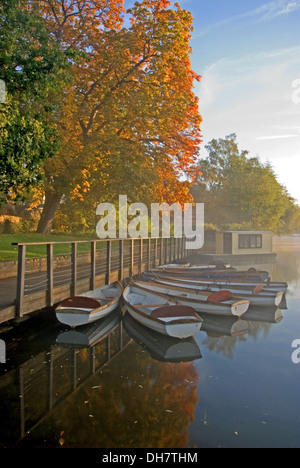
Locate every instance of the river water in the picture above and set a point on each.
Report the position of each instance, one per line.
(235, 385)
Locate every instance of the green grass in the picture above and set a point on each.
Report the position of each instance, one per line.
(10, 252)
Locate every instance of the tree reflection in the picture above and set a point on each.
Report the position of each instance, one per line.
(287, 267)
(133, 402)
(224, 345)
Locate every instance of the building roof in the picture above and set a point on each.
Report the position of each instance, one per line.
(249, 232)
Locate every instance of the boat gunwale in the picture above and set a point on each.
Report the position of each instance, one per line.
(90, 312)
(246, 295)
(196, 318)
(226, 282)
(232, 302)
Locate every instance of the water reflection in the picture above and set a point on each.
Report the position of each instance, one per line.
(43, 377)
(216, 326)
(132, 402)
(89, 335)
(162, 348)
(288, 261)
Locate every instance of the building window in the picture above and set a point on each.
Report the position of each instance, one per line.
(250, 241)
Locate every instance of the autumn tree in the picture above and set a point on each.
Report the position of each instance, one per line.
(130, 122)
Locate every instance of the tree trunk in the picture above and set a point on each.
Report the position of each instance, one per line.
(51, 205)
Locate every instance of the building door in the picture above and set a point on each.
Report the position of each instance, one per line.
(227, 243)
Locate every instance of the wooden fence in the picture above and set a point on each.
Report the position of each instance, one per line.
(90, 264)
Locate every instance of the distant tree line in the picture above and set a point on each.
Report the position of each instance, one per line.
(240, 192)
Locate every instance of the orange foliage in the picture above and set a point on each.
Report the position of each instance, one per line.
(130, 114)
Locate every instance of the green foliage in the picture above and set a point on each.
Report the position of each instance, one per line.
(33, 70)
(243, 192)
(26, 140)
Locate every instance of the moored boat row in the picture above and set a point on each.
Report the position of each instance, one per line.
(172, 304)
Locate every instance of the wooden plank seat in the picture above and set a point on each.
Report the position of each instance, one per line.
(80, 302)
(173, 311)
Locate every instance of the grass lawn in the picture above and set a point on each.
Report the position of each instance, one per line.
(10, 252)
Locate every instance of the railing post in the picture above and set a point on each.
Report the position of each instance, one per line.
(149, 254)
(132, 257)
(74, 268)
(155, 255)
(161, 251)
(93, 265)
(50, 274)
(141, 254)
(21, 279)
(108, 262)
(121, 246)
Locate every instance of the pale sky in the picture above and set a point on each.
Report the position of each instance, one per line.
(248, 53)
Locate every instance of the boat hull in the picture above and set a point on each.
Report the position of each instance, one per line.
(236, 306)
(269, 286)
(176, 327)
(76, 318)
(263, 298)
(80, 316)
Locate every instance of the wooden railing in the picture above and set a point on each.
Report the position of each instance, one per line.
(103, 262)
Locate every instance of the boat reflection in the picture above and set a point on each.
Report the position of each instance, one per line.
(216, 326)
(162, 348)
(264, 315)
(89, 335)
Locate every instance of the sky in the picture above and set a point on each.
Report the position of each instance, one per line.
(248, 54)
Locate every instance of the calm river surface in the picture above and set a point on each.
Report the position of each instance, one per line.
(120, 387)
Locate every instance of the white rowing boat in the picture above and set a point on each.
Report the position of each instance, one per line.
(89, 307)
(160, 313)
(257, 295)
(268, 285)
(174, 265)
(221, 303)
(216, 272)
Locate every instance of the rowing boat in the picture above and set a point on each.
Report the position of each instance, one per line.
(160, 313)
(268, 285)
(89, 307)
(220, 303)
(257, 295)
(214, 273)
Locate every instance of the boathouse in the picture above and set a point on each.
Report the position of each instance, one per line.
(244, 243)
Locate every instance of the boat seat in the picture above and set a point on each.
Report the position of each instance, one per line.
(80, 302)
(173, 311)
(258, 289)
(220, 296)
